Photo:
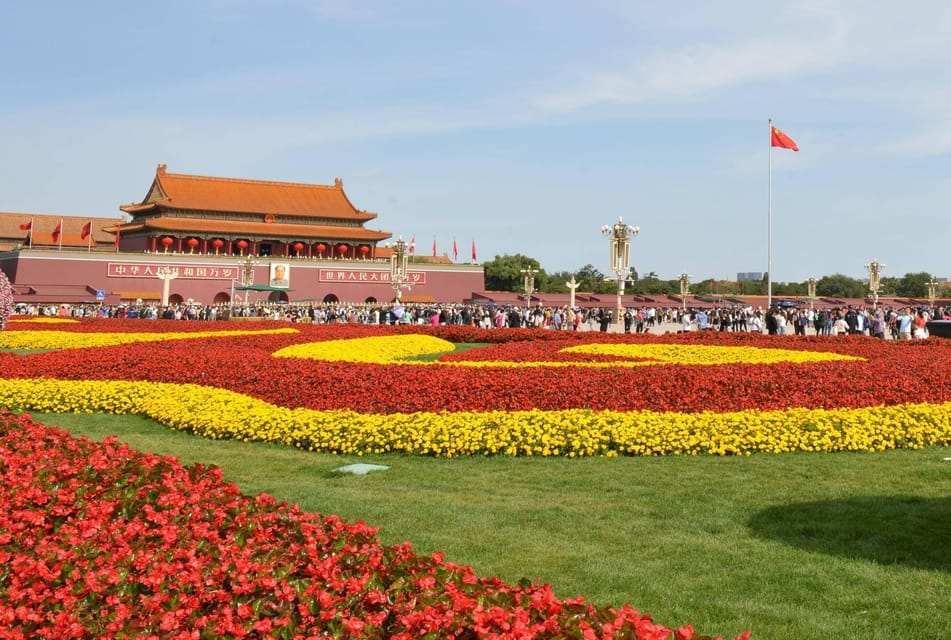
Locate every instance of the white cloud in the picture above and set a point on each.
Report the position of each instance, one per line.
(796, 41)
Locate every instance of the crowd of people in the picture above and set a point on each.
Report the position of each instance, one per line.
(881, 322)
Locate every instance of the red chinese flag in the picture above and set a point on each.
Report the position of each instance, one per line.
(474, 252)
(780, 139)
(27, 226)
(58, 230)
(455, 251)
(87, 229)
(118, 231)
(434, 247)
(412, 245)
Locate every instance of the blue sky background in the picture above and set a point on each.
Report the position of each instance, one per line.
(524, 126)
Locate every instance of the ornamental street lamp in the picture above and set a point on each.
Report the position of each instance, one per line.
(874, 278)
(811, 288)
(399, 260)
(620, 245)
(246, 276)
(684, 288)
(932, 292)
(528, 285)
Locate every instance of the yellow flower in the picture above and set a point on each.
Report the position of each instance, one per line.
(73, 340)
(218, 413)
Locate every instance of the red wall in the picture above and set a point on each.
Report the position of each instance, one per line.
(68, 276)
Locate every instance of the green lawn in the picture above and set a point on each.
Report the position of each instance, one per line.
(793, 546)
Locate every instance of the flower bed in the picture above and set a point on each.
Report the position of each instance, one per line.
(97, 540)
(345, 388)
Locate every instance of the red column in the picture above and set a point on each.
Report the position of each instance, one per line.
(228, 247)
(179, 245)
(152, 244)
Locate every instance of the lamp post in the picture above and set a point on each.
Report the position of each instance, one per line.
(247, 276)
(528, 285)
(684, 288)
(399, 261)
(619, 236)
(811, 288)
(874, 278)
(932, 293)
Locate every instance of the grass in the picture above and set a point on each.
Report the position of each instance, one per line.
(845, 546)
(459, 348)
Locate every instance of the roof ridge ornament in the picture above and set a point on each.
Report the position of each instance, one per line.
(338, 183)
(160, 170)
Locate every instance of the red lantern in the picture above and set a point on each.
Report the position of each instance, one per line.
(217, 243)
(364, 249)
(297, 246)
(341, 248)
(192, 242)
(167, 241)
(242, 244)
(321, 247)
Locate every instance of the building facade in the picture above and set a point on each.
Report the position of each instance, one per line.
(214, 240)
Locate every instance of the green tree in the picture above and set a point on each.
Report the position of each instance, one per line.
(888, 286)
(913, 285)
(840, 286)
(558, 282)
(589, 279)
(504, 273)
(751, 288)
(791, 288)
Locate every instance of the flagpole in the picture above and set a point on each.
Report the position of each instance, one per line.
(769, 221)
(31, 233)
(60, 237)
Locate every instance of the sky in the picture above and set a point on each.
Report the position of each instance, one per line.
(521, 126)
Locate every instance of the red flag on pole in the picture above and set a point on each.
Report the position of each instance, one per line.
(118, 231)
(27, 227)
(87, 229)
(474, 259)
(434, 247)
(57, 231)
(412, 245)
(455, 251)
(783, 141)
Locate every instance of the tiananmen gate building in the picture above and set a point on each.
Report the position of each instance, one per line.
(273, 241)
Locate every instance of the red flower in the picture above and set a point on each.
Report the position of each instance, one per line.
(685, 632)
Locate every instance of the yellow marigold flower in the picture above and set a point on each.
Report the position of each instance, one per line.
(218, 413)
(73, 340)
(380, 349)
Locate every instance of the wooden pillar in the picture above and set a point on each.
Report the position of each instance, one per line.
(179, 245)
(152, 244)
